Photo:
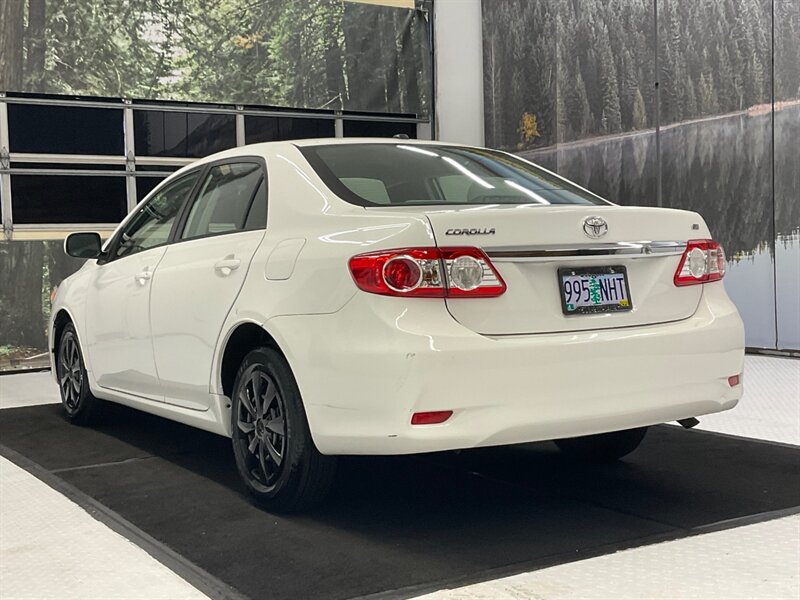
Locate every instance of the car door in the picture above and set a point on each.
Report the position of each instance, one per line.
(118, 296)
(201, 275)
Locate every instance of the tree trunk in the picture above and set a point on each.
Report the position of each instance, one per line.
(35, 43)
(22, 324)
(11, 28)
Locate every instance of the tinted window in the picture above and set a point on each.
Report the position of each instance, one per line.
(145, 185)
(65, 130)
(150, 227)
(386, 174)
(193, 135)
(257, 217)
(224, 200)
(68, 199)
(379, 129)
(269, 129)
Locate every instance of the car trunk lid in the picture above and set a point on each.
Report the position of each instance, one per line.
(528, 244)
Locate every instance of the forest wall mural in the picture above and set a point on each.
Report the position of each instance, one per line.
(295, 53)
(571, 84)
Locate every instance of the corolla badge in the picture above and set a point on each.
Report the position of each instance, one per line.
(595, 227)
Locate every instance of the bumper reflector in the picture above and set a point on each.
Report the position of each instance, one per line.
(734, 380)
(431, 418)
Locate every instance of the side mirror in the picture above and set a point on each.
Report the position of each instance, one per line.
(84, 244)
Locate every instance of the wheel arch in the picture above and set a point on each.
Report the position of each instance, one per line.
(243, 338)
(60, 320)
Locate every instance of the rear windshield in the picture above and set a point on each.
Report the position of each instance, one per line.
(405, 174)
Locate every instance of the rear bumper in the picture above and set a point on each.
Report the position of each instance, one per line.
(365, 370)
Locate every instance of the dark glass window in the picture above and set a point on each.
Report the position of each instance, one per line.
(151, 226)
(65, 130)
(68, 166)
(257, 217)
(379, 174)
(224, 200)
(192, 135)
(38, 199)
(271, 129)
(379, 129)
(145, 185)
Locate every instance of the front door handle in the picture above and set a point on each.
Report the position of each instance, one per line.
(142, 277)
(227, 265)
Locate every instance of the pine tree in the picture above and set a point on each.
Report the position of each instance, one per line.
(639, 120)
(579, 117)
(611, 119)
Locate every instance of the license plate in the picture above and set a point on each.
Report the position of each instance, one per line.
(594, 289)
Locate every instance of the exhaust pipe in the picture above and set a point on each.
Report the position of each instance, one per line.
(688, 423)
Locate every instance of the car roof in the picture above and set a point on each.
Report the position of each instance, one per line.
(366, 140)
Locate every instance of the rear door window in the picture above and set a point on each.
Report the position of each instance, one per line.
(225, 200)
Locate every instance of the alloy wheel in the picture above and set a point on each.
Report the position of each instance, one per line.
(70, 370)
(261, 427)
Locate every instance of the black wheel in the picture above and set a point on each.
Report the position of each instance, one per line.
(275, 455)
(78, 402)
(603, 447)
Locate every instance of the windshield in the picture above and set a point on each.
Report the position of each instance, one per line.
(406, 174)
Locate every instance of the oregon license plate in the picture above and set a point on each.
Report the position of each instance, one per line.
(594, 289)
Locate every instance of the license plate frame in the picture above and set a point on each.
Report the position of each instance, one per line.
(598, 308)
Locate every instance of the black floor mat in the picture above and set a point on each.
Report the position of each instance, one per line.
(398, 523)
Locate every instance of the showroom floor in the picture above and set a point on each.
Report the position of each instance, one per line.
(138, 507)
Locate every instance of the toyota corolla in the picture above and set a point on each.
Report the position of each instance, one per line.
(320, 298)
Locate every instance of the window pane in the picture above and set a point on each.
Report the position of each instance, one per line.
(257, 217)
(379, 129)
(192, 135)
(270, 129)
(151, 226)
(224, 200)
(145, 185)
(65, 130)
(406, 173)
(38, 199)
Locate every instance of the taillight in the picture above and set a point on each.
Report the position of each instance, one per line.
(702, 262)
(463, 272)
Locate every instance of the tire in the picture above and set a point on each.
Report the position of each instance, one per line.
(80, 407)
(275, 455)
(602, 447)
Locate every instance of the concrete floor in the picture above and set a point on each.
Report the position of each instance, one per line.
(51, 548)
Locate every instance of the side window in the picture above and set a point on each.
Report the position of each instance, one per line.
(257, 217)
(150, 227)
(224, 200)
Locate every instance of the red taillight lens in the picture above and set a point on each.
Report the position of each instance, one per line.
(427, 273)
(702, 262)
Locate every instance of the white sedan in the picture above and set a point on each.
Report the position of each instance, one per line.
(325, 297)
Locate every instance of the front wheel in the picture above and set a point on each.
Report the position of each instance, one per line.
(602, 447)
(275, 455)
(79, 404)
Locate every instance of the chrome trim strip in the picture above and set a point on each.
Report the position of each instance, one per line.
(640, 249)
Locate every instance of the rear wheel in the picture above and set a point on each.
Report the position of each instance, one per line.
(602, 447)
(272, 444)
(79, 404)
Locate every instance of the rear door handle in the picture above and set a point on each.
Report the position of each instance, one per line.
(142, 277)
(227, 265)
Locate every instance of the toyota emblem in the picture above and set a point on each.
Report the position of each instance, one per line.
(595, 227)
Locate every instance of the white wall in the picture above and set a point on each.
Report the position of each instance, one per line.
(459, 71)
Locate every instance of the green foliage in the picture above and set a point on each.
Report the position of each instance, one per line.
(270, 52)
(639, 114)
(714, 57)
